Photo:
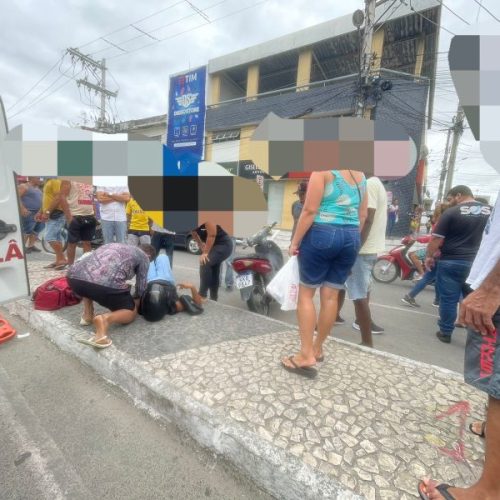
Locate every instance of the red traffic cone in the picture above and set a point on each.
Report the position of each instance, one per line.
(7, 332)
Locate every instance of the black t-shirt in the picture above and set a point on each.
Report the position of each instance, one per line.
(462, 229)
(220, 236)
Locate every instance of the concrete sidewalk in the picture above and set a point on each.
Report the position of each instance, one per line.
(368, 426)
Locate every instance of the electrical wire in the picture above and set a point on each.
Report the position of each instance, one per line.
(427, 19)
(453, 12)
(487, 10)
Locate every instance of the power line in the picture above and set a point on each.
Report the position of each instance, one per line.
(487, 10)
(37, 83)
(427, 19)
(453, 12)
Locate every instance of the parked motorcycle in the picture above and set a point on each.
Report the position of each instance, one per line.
(254, 272)
(397, 262)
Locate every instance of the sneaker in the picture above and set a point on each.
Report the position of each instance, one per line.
(35, 249)
(443, 337)
(340, 321)
(28, 250)
(376, 330)
(410, 301)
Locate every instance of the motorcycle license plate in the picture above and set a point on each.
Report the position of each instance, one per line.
(244, 281)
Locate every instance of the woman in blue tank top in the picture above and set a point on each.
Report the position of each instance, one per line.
(327, 241)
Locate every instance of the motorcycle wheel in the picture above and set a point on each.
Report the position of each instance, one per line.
(259, 302)
(64, 240)
(385, 271)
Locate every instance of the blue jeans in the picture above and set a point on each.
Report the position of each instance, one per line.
(160, 269)
(428, 278)
(166, 241)
(228, 264)
(451, 276)
(114, 229)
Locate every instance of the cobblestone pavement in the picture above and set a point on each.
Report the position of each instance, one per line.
(374, 423)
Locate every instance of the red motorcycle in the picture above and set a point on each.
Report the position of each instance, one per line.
(397, 262)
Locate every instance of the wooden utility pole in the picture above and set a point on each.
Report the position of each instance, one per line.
(100, 87)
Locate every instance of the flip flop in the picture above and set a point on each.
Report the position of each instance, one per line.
(481, 434)
(304, 371)
(60, 267)
(50, 266)
(84, 322)
(93, 343)
(442, 488)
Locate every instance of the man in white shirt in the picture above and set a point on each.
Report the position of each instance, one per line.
(113, 202)
(480, 311)
(372, 243)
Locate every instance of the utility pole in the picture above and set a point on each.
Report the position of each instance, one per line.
(458, 130)
(443, 166)
(100, 87)
(366, 54)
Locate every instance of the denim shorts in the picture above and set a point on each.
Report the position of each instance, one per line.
(482, 360)
(30, 225)
(327, 254)
(358, 284)
(54, 228)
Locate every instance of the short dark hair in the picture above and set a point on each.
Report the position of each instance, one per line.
(463, 190)
(149, 250)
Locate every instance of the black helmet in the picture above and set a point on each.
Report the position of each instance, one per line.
(158, 299)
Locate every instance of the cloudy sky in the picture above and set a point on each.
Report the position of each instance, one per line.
(35, 35)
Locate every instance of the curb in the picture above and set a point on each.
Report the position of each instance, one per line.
(273, 469)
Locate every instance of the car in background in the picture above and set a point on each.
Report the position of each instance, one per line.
(187, 242)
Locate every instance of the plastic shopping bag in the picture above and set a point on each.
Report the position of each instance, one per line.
(284, 287)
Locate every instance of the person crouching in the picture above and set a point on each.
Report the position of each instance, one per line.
(101, 276)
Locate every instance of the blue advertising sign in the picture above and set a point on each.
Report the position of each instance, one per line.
(186, 119)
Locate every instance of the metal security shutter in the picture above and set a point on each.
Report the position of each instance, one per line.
(275, 202)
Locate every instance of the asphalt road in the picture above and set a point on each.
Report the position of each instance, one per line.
(65, 433)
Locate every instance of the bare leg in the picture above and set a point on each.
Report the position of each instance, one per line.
(86, 246)
(329, 298)
(58, 249)
(71, 252)
(306, 315)
(88, 310)
(30, 240)
(488, 486)
(364, 320)
(341, 299)
(417, 263)
(103, 321)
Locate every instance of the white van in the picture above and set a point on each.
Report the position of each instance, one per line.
(14, 282)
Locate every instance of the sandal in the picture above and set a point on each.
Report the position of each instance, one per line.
(442, 488)
(304, 371)
(84, 322)
(50, 266)
(94, 343)
(481, 434)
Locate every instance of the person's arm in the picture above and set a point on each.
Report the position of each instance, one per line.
(141, 277)
(211, 234)
(432, 248)
(63, 199)
(369, 200)
(21, 190)
(121, 197)
(478, 308)
(367, 226)
(315, 190)
(198, 299)
(103, 197)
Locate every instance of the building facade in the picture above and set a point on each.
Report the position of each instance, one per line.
(314, 73)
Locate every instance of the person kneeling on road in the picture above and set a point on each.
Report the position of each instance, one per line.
(101, 276)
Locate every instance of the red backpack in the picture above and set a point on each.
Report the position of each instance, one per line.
(54, 294)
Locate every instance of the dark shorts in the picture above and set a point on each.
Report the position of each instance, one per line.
(110, 298)
(327, 254)
(482, 360)
(82, 228)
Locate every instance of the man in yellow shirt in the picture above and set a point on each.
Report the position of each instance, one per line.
(139, 224)
(55, 221)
